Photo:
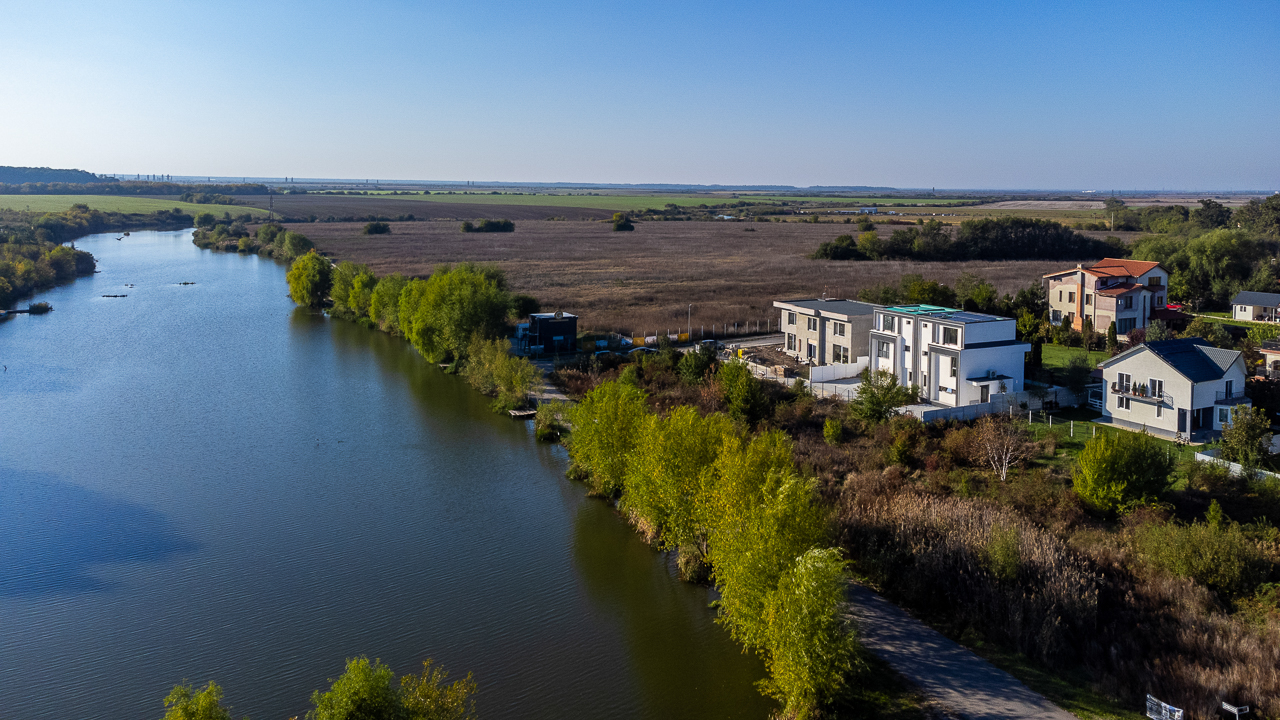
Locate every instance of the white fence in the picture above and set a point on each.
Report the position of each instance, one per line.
(838, 371)
(1211, 455)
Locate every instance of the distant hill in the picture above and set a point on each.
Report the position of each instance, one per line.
(18, 175)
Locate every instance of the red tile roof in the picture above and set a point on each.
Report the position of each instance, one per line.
(1112, 267)
(1120, 289)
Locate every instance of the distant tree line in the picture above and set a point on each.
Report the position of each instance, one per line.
(1006, 238)
(131, 187)
(10, 175)
(488, 226)
(200, 198)
(80, 220)
(459, 314)
(232, 235)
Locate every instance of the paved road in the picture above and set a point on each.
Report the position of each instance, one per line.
(964, 684)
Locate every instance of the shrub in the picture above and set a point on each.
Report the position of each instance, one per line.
(1215, 553)
(833, 431)
(1116, 471)
(39, 308)
(376, 228)
(622, 223)
(486, 226)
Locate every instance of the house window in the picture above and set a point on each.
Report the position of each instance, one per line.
(887, 323)
(1159, 301)
(882, 349)
(1125, 381)
(1128, 302)
(945, 389)
(839, 354)
(950, 336)
(1059, 296)
(838, 329)
(1159, 411)
(1071, 297)
(1122, 402)
(955, 365)
(812, 350)
(813, 324)
(1124, 325)
(1224, 416)
(791, 318)
(1088, 299)
(1155, 387)
(1154, 281)
(1230, 388)
(791, 341)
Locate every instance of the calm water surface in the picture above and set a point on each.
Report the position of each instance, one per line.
(202, 482)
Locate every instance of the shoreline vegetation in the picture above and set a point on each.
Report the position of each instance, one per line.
(33, 258)
(365, 691)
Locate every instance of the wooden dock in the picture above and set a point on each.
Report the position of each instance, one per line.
(522, 414)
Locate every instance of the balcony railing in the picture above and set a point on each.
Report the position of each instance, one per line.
(1140, 393)
(1231, 397)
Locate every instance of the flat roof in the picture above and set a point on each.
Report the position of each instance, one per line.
(833, 305)
(944, 313)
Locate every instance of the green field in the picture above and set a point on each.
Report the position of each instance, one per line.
(639, 202)
(116, 203)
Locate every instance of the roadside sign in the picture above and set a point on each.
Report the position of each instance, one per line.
(1157, 710)
(1237, 711)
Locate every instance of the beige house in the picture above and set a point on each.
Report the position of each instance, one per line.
(819, 331)
(1181, 387)
(1256, 306)
(1130, 293)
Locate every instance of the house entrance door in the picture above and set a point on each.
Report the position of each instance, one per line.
(1182, 420)
(986, 393)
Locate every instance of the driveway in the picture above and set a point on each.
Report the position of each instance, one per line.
(963, 684)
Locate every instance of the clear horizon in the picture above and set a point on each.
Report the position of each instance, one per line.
(949, 95)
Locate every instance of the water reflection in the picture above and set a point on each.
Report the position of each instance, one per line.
(52, 534)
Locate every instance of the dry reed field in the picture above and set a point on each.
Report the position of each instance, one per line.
(645, 280)
(393, 206)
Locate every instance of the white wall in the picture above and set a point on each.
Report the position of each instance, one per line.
(837, 371)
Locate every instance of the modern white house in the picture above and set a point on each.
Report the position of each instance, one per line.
(1256, 306)
(1181, 387)
(820, 331)
(957, 357)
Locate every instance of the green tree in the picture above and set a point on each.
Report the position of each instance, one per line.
(295, 245)
(1113, 342)
(384, 305)
(429, 697)
(833, 431)
(376, 228)
(1078, 373)
(622, 223)
(1210, 331)
(810, 652)
(869, 244)
(309, 279)
(879, 396)
(206, 220)
(604, 433)
(975, 293)
(441, 314)
(1247, 438)
(695, 364)
(361, 295)
(1211, 214)
(365, 691)
(185, 703)
(742, 392)
(1116, 470)
(1158, 331)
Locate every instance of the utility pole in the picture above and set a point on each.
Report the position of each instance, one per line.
(690, 322)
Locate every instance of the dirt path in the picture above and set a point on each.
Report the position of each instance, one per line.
(964, 684)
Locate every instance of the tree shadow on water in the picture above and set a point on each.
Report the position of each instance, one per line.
(52, 534)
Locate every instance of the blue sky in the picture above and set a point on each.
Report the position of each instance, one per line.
(1077, 95)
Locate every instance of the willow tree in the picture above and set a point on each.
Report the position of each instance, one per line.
(605, 429)
(310, 278)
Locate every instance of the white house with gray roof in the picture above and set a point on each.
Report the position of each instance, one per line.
(957, 357)
(1181, 387)
(820, 332)
(1256, 306)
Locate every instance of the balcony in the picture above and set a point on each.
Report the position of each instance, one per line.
(1232, 397)
(1141, 394)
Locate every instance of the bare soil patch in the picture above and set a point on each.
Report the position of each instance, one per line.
(1045, 205)
(391, 206)
(645, 281)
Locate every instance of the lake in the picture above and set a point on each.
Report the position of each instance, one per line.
(204, 482)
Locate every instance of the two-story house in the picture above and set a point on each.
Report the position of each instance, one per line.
(1173, 387)
(824, 331)
(1130, 293)
(957, 357)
